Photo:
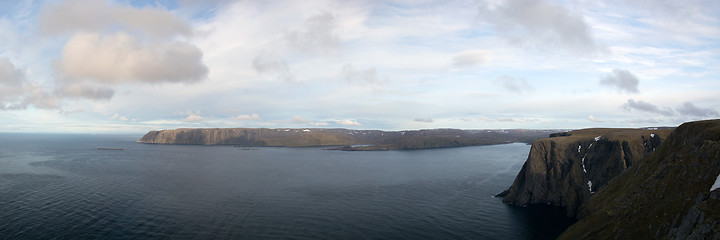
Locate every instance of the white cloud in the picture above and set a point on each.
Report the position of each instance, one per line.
(425, 120)
(470, 58)
(193, 118)
(298, 119)
(367, 77)
(541, 24)
(11, 81)
(121, 58)
(593, 119)
(246, 117)
(320, 124)
(348, 123)
(9, 74)
(274, 64)
(318, 34)
(623, 80)
(17, 93)
(117, 116)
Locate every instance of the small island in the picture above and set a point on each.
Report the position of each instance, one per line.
(109, 148)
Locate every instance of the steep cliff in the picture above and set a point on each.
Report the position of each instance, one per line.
(351, 139)
(665, 196)
(567, 168)
(250, 137)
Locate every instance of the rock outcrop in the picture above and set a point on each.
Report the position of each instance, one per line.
(567, 168)
(351, 139)
(667, 195)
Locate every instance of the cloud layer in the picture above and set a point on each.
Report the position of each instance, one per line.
(119, 58)
(514, 84)
(541, 24)
(622, 80)
(647, 107)
(317, 36)
(99, 16)
(470, 58)
(689, 109)
(17, 93)
(457, 64)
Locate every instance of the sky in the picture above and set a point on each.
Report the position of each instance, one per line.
(127, 66)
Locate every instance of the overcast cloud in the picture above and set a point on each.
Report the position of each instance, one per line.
(514, 84)
(121, 58)
(111, 44)
(71, 65)
(470, 58)
(367, 77)
(540, 24)
(272, 64)
(318, 35)
(424, 120)
(689, 109)
(622, 80)
(100, 16)
(17, 93)
(647, 107)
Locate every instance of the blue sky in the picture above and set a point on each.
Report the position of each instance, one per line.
(132, 66)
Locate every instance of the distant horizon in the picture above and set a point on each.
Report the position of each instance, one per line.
(355, 129)
(121, 66)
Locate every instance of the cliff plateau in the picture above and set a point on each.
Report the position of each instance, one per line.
(669, 195)
(354, 140)
(566, 169)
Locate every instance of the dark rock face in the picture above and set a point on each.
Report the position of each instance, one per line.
(667, 195)
(566, 169)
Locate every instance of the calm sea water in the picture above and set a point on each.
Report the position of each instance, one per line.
(59, 186)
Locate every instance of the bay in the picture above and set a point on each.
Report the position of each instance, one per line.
(60, 186)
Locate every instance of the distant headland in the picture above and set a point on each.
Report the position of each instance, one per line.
(342, 139)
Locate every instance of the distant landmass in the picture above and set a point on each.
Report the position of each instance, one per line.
(342, 139)
(628, 183)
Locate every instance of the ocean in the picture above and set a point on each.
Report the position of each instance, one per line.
(60, 186)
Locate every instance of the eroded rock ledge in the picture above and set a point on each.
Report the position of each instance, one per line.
(567, 168)
(668, 195)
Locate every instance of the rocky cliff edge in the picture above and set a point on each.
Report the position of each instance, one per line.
(566, 169)
(671, 194)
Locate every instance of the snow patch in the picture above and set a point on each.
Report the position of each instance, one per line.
(579, 147)
(716, 184)
(597, 138)
(652, 135)
(590, 186)
(583, 164)
(590, 145)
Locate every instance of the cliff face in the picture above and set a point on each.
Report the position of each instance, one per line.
(666, 196)
(251, 137)
(369, 139)
(567, 168)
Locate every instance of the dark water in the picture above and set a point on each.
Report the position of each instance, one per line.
(61, 187)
